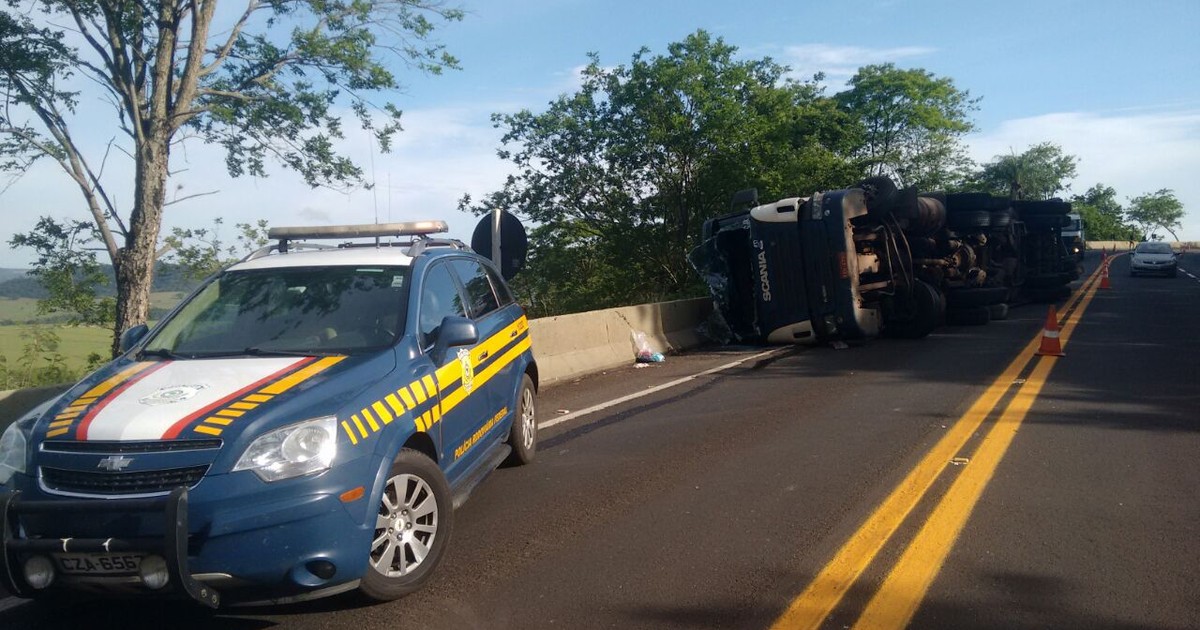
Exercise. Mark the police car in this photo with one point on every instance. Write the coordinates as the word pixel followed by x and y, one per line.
pixel 304 424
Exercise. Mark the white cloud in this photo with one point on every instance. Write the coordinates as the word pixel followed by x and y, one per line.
pixel 839 63
pixel 1131 151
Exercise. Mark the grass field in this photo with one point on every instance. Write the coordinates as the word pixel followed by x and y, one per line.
pixel 75 342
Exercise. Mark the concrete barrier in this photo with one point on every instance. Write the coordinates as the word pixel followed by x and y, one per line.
pixel 15 402
pixel 1179 246
pixel 565 346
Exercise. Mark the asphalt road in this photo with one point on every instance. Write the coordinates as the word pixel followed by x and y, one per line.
pixel 715 503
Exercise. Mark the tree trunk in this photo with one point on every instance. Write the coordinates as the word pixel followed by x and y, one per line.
pixel 135 266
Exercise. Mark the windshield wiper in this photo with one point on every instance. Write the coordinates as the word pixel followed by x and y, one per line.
pixel 157 352
pixel 261 352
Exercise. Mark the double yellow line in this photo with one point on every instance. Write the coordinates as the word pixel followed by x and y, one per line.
pixel 894 604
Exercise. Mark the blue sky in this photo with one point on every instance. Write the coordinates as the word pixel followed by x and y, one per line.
pixel 1116 83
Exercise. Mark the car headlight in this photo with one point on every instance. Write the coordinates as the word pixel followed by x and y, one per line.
pixel 297 449
pixel 12 453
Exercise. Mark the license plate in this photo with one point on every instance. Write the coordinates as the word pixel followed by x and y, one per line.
pixel 98 563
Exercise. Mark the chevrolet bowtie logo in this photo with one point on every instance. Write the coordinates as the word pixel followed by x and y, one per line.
pixel 115 463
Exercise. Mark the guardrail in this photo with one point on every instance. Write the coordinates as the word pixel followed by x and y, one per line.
pixel 565 346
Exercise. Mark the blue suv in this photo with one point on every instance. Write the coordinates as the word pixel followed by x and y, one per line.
pixel 303 424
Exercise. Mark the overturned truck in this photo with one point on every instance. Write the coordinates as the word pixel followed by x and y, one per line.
pixel 870 260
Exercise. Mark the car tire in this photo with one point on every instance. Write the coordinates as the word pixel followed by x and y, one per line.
pixel 998 312
pixel 974 316
pixel 415 517
pixel 523 434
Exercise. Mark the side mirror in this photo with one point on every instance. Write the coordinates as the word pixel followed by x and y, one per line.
pixel 131 336
pixel 454 331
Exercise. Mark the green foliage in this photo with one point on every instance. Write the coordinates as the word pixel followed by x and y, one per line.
pixel 200 252
pixel 912 124
pixel 622 173
pixel 1103 217
pixel 267 81
pixel 1040 172
pixel 1159 209
pixel 40 362
pixel 69 273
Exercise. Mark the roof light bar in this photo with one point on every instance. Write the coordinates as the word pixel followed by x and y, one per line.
pixel 409 228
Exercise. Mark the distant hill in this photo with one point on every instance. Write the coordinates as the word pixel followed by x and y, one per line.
pixel 9 274
pixel 167 277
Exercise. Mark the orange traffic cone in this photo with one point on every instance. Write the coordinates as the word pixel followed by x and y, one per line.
pixel 1050 346
pixel 1104 277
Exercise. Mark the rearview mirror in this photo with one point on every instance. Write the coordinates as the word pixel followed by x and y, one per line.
pixel 131 336
pixel 454 331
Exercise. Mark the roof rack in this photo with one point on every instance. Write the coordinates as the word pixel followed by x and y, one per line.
pixel 419 230
pixel 423 243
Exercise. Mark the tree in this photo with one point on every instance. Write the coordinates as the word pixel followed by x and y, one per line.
pixel 622 173
pixel 1158 209
pixel 264 82
pixel 202 252
pixel 912 124
pixel 1103 216
pixel 1040 172
pixel 68 270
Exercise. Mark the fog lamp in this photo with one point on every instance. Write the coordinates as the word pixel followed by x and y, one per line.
pixel 39 572
pixel 153 571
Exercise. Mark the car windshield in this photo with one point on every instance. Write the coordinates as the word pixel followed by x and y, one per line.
pixel 289 310
pixel 1153 248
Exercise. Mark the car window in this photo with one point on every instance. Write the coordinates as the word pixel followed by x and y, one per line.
pixel 440 298
pixel 1153 248
pixel 290 309
pixel 501 288
pixel 480 297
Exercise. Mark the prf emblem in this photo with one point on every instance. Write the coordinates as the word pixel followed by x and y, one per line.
pixel 468 373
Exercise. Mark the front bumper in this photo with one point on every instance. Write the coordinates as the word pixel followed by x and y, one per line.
pixel 172 545
pixel 1164 268
pixel 247 540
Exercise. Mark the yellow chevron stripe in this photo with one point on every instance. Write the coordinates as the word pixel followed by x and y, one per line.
pixel 394 403
pixel 406 397
pixel 217 420
pixel 116 379
pixel 207 430
pixel 258 398
pixel 67 416
pixel 60 423
pixel 349 432
pixel 242 405
pixel 294 379
pixel 56 432
pixel 382 412
pixel 358 423
pixel 230 413
pixel 418 391
pixel 366 414
pixel 430 387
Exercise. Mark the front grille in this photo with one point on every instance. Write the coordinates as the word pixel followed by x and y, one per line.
pixel 115 483
pixel 156 446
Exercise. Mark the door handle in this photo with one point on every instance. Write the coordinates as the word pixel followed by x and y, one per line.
pixel 483 355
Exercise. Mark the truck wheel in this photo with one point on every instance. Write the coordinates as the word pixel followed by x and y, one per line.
pixel 926 310
pixel 1002 218
pixel 412 528
pixel 522 437
pixel 969 219
pixel 975 316
pixel 879 194
pixel 998 312
pixel 982 296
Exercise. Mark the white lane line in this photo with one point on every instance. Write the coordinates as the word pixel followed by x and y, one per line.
pixel 1189 274
pixel 657 388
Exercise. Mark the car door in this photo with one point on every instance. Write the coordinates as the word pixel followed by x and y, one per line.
pixel 441 296
pixel 492 370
